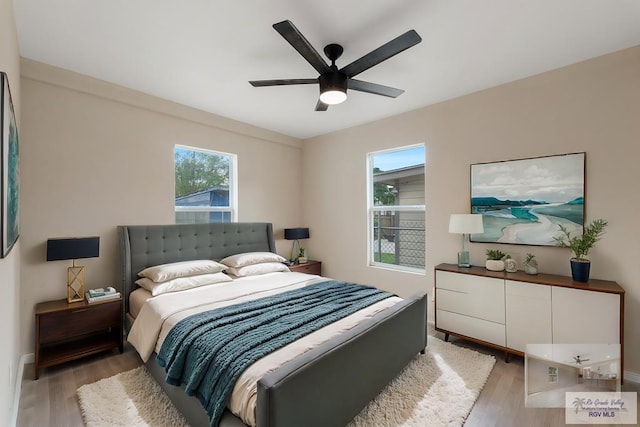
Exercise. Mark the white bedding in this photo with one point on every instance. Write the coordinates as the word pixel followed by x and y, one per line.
pixel 137 299
pixel 159 314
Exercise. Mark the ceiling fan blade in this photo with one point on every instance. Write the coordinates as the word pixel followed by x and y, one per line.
pixel 321 106
pixel 282 82
pixel 302 45
pixel 384 52
pixel 375 88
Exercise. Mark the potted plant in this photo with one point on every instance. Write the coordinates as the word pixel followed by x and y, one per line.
pixel 495 260
pixel 580 246
pixel 530 264
pixel 302 258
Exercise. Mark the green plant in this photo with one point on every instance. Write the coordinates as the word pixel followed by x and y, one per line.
pixel 496 254
pixel 385 258
pixel 581 245
pixel 531 260
pixel 301 254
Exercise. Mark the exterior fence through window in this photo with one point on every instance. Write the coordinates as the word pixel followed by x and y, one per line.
pixel 398 237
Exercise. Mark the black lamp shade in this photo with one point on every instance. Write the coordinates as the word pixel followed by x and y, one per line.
pixel 74 248
pixel 296 233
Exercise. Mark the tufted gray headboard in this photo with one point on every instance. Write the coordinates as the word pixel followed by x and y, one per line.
pixel 142 246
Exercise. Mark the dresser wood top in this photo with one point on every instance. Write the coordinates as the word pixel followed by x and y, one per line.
pixel 541 279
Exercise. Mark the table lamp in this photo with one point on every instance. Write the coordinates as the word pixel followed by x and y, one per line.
pixel 295 234
pixel 465 224
pixel 74 248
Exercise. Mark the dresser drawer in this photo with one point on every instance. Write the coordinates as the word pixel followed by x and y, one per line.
pixel 472 327
pixel 465 282
pixel 66 324
pixel 473 296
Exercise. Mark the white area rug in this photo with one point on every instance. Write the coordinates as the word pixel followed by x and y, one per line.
pixel 131 398
pixel 436 389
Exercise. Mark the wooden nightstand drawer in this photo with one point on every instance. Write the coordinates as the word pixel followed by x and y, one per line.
pixel 311 267
pixel 79 321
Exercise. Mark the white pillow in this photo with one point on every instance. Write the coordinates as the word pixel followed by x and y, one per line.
pixel 256 269
pixel 164 272
pixel 250 258
pixel 182 283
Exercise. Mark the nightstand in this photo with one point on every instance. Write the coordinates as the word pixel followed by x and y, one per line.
pixel 68 331
pixel 310 267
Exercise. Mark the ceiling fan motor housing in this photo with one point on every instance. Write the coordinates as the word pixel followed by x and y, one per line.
pixel 333 80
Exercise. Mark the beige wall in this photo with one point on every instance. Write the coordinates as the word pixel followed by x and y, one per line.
pixel 9 266
pixel 96 155
pixel 593 106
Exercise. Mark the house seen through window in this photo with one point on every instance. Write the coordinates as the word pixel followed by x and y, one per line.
pixel 396 208
pixel 205 183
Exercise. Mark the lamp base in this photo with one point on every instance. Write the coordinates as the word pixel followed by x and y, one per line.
pixel 75 284
pixel 294 252
pixel 463 259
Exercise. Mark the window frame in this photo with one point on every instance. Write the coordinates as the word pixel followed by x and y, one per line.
pixel 233 184
pixel 372 209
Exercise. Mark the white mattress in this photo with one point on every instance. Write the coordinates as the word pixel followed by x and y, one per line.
pixel 161 313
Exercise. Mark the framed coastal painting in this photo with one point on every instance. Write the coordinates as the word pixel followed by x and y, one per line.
pixel 9 176
pixel 524 201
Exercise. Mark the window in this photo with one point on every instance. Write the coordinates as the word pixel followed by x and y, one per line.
pixel 205 186
pixel 396 208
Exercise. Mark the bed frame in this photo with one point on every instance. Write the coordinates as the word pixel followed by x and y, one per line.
pixel 328 385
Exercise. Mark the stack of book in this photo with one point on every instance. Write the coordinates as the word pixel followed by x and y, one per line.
pixel 102 294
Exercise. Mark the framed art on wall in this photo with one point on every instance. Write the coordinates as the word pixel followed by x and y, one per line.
pixel 9 178
pixel 523 201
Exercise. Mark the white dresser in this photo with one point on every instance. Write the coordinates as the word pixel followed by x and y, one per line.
pixel 510 310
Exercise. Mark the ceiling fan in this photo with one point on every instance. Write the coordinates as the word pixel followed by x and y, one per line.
pixel 334 82
pixel 578 361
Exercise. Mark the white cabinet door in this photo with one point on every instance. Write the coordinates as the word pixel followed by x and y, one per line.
pixel 584 317
pixel 528 314
pixel 474 296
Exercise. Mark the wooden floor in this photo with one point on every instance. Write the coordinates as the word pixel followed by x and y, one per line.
pixel 501 402
pixel 52 400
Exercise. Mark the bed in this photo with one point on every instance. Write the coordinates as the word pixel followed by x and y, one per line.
pixel 327 385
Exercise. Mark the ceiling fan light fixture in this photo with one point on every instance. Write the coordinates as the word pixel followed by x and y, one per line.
pixel 333 97
pixel 333 88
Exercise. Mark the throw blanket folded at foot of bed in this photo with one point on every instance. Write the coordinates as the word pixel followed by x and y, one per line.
pixel 208 351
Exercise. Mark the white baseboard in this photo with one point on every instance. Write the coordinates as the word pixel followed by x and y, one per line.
pixel 632 376
pixel 24 359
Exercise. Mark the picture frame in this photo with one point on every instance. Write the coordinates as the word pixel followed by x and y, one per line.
pixel 9 170
pixel 524 201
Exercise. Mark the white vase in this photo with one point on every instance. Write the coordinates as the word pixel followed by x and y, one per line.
pixel 494 265
pixel 530 269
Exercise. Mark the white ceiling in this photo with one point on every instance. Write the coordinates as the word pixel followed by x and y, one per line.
pixel 202 53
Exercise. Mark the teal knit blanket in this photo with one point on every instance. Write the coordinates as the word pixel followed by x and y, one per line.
pixel 208 351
